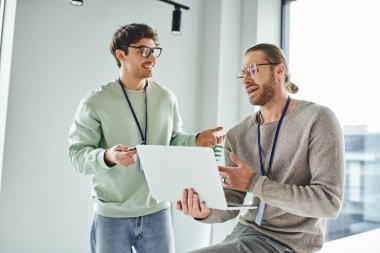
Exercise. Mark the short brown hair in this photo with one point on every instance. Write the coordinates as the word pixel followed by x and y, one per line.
pixel 275 54
pixel 129 34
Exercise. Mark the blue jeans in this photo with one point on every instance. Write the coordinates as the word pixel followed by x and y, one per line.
pixel 149 233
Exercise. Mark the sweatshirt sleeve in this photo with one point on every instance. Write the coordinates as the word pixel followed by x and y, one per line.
pixel 179 137
pixel 84 137
pixel 322 197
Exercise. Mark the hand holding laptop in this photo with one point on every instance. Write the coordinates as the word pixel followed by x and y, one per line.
pixel 191 205
pixel 237 178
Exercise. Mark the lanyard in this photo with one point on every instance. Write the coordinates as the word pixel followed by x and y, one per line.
pixel 274 141
pixel 143 136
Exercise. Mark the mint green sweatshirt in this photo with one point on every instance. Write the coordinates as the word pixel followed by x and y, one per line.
pixel 104 119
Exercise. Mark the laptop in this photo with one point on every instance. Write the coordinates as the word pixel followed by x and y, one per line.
pixel 171 169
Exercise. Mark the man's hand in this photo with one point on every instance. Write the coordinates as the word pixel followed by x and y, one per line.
pixel 120 155
pixel 208 138
pixel 237 178
pixel 190 205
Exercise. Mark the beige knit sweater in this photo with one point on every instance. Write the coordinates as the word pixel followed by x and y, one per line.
pixel 305 184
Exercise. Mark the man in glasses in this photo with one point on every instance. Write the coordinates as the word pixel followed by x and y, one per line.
pixel 289 155
pixel 108 124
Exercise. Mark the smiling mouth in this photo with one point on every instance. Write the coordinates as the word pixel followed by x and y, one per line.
pixel 252 89
pixel 148 66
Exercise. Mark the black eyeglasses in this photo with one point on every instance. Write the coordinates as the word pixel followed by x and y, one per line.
pixel 147 51
pixel 251 69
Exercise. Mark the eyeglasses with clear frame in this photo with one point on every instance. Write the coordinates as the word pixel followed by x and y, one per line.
pixel 147 51
pixel 252 69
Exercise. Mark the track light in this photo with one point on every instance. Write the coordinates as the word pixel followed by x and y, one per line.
pixel 76 2
pixel 176 22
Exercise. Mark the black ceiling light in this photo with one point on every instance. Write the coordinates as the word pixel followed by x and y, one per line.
pixel 176 22
pixel 76 2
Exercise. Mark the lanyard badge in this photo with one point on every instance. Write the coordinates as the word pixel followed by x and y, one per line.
pixel 143 136
pixel 261 207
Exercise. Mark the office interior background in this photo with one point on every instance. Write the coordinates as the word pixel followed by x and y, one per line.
pixel 53 53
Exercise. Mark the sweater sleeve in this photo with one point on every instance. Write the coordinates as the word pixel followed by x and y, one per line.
pixel 85 134
pixel 179 137
pixel 322 197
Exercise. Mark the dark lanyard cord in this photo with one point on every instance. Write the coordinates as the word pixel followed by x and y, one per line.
pixel 274 141
pixel 143 137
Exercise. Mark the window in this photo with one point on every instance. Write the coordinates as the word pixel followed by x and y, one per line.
pixel 333 58
pixel 2 5
pixel 7 20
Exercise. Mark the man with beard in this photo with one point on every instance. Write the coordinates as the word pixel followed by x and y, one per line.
pixel 289 155
pixel 109 122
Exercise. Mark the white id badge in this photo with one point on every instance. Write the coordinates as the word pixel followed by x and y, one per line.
pixel 260 213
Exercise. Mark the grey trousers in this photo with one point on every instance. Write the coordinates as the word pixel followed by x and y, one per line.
pixel 245 239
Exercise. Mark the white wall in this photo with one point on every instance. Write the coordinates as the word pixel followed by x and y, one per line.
pixel 60 52
pixel 261 22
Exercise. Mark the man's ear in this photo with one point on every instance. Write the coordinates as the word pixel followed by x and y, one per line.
pixel 120 55
pixel 280 69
